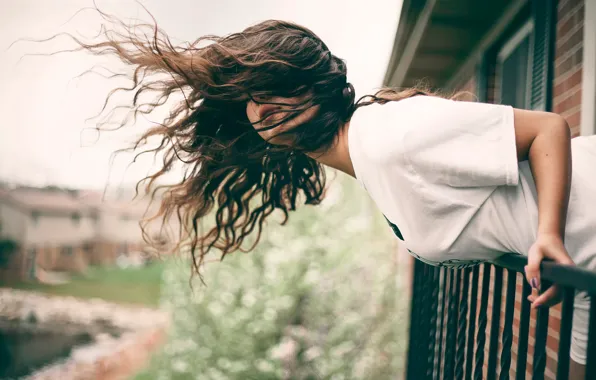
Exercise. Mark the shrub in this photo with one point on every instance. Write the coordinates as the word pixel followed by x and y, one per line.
pixel 320 298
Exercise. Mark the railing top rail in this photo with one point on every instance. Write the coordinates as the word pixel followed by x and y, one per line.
pixel 565 275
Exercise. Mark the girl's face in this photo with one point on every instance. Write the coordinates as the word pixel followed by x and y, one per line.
pixel 263 115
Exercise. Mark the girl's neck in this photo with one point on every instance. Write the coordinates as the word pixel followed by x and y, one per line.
pixel 338 157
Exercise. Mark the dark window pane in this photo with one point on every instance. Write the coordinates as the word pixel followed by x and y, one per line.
pixel 514 76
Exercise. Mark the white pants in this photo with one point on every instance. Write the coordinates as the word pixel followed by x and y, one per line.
pixel 579 332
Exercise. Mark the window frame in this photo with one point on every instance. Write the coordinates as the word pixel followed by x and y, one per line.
pixel 505 51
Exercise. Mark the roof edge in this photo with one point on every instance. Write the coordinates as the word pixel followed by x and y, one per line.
pixel 412 24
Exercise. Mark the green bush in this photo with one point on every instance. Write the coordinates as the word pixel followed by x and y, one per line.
pixel 320 298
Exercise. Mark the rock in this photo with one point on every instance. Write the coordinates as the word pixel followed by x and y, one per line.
pixel 119 331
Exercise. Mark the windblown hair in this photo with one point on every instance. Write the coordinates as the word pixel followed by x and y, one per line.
pixel 232 173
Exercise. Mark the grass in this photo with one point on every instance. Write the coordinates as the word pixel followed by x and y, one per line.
pixel 137 286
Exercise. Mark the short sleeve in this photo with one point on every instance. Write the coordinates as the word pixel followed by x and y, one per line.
pixel 461 144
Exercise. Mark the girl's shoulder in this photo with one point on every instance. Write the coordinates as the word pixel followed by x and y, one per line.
pixel 378 129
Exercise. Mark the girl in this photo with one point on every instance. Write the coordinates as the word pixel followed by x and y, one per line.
pixel 266 108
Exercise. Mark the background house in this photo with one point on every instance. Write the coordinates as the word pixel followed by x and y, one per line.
pixel 538 54
pixel 49 227
pixel 117 230
pixel 61 230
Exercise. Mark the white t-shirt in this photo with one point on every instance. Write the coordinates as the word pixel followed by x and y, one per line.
pixel 446 174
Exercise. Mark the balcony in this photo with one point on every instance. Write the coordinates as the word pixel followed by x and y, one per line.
pixel 476 323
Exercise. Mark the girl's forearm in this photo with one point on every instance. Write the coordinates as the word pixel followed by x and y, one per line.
pixel 550 161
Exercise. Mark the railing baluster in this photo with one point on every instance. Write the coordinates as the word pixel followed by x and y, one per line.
pixel 539 362
pixel 565 334
pixel 438 325
pixel 446 321
pixel 591 359
pixel 523 333
pixel 452 325
pixel 432 331
pixel 462 323
pixel 420 321
pixel 482 321
pixel 425 312
pixel 472 323
pixel 508 325
pixel 414 322
pixel 442 323
pixel 493 344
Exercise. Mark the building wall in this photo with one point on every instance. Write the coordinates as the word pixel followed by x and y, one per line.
pixel 71 260
pixel 13 222
pixel 15 269
pixel 114 227
pixel 567 102
pixel 568 62
pixel 12 227
pixel 53 241
pixel 467 89
pixel 103 253
pixel 59 230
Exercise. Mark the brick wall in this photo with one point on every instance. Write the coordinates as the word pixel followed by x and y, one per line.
pixel 14 269
pixel 47 256
pixel 103 253
pixel 468 89
pixel 568 62
pixel 552 339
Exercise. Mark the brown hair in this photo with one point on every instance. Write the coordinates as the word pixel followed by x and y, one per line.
pixel 230 172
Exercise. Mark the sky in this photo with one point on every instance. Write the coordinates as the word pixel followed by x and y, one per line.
pixel 46 135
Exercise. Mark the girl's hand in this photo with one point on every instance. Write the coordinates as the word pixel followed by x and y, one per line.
pixel 549 246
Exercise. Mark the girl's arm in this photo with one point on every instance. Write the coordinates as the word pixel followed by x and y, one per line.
pixel 544 139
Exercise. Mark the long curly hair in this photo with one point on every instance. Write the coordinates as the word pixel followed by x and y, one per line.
pixel 231 174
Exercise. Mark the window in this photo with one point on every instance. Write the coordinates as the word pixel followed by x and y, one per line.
pixel 95 217
pixel 35 217
pixel 514 68
pixel 67 251
pixel 76 218
pixel 524 62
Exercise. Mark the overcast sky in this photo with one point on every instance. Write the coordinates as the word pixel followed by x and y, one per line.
pixel 44 109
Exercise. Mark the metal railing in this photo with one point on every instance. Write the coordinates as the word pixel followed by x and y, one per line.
pixel 448 328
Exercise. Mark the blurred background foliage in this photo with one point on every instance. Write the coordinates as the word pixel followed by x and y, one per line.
pixel 320 298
